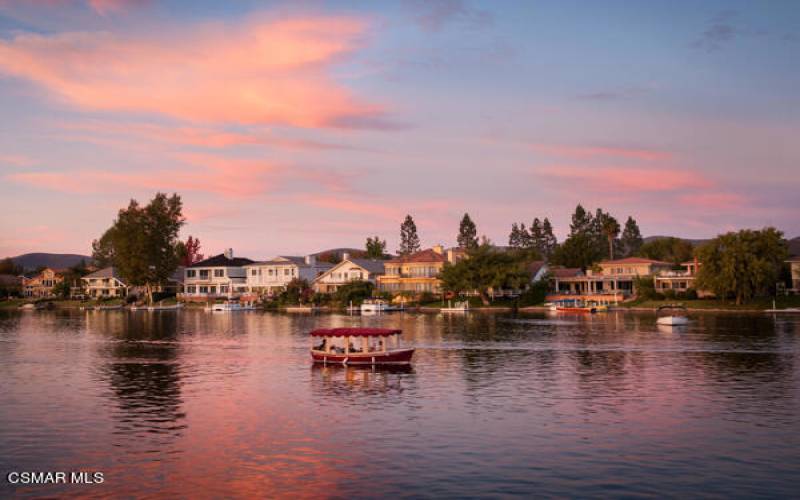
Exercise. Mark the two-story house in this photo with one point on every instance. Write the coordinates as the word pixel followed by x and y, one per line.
pixel 104 283
pixel 617 277
pixel 222 275
pixel 270 277
pixel 416 273
pixel 347 271
pixel 41 284
pixel 794 267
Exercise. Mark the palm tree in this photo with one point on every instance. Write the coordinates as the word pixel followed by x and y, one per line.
pixel 611 230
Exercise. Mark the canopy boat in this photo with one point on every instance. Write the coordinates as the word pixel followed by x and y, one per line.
pixel 458 307
pixel 672 315
pixel 359 346
pixel 574 306
pixel 229 306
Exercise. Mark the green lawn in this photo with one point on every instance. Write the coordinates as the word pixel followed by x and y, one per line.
pixel 760 303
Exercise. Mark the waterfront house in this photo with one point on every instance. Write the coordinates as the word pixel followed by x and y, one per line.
pixel 794 266
pixel 222 275
pixel 347 271
pixel 611 280
pixel 416 273
pixel 270 277
pixel 105 283
pixel 679 280
pixel 41 285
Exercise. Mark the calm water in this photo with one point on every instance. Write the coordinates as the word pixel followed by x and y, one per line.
pixel 198 405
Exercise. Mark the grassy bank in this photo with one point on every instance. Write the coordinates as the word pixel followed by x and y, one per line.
pixel 759 304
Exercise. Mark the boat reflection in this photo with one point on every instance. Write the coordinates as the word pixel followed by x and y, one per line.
pixel 379 379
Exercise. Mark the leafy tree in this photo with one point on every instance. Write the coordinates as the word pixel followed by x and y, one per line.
pixel 537 235
pixel 409 240
pixel 549 241
pixel 631 239
pixel 581 221
pixel 467 233
pixel 189 252
pixel 7 266
pixel 376 248
pixel 578 250
pixel 142 242
pixel 355 292
pixel 485 268
pixel 297 291
pixel 669 249
pixel 742 264
pixel 515 237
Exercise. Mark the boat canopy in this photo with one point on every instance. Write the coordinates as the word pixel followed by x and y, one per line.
pixel 667 307
pixel 355 332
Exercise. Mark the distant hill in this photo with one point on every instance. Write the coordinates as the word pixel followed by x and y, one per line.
pixel 31 261
pixel 794 243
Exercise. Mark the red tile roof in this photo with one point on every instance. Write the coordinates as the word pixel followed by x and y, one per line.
pixel 636 260
pixel 566 272
pixel 422 256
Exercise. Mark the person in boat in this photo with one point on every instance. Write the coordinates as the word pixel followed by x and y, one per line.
pixel 353 349
pixel 321 347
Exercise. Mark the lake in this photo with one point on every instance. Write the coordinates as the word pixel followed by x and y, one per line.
pixel 196 404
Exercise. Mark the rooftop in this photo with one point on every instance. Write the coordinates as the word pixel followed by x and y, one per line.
pixel 106 272
pixel 222 260
pixel 636 260
pixel 428 255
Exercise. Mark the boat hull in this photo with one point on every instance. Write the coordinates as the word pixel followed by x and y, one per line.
pixel 673 320
pixel 585 310
pixel 394 357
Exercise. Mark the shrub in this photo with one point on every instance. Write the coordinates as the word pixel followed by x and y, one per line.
pixel 670 294
pixel 427 298
pixel 533 296
pixel 691 294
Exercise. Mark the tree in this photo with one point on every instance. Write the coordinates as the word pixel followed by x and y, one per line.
pixel 355 292
pixel 610 228
pixel 7 266
pixel 515 237
pixel 142 242
pixel 537 235
pixel 742 264
pixel 631 239
pixel 189 252
pixel 581 221
pixel 297 291
pixel 485 267
pixel 409 240
pixel 579 250
pixel 549 241
pixel 674 250
pixel 376 248
pixel 467 233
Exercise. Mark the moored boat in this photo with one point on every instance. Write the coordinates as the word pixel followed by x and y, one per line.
pixel 458 307
pixel 574 306
pixel 672 315
pixel 229 306
pixel 378 306
pixel 359 346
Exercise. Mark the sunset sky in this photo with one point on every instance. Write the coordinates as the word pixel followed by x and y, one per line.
pixel 293 127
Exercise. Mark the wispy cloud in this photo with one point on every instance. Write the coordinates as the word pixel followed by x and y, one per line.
pixel 585 152
pixel 263 72
pixel 720 31
pixel 434 15
pixel 624 179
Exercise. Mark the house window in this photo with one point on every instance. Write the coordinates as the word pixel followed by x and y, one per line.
pixel 253 272
pixel 191 289
pixel 223 289
pixel 204 274
pixel 191 273
pixel 270 271
pixel 286 272
pixel 203 289
pixel 219 273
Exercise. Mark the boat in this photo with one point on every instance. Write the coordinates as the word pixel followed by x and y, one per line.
pixel 300 309
pixel 377 306
pixel 574 306
pixel 173 307
pixel 359 346
pixel 229 306
pixel 462 306
pixel 672 315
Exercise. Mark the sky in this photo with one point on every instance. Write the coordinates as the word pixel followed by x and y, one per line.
pixel 293 127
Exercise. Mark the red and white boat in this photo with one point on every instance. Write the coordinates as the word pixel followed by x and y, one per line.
pixel 359 346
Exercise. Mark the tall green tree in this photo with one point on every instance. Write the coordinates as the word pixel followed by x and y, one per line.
pixel 631 240
pixel 485 268
pixel 409 240
pixel 742 264
pixel 467 233
pixel 376 248
pixel 610 229
pixel 549 241
pixel 669 249
pixel 582 221
pixel 142 242
pixel 515 237
pixel 578 250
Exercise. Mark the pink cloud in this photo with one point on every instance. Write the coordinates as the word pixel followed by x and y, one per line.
pixel 624 179
pixel 715 200
pixel 104 7
pixel 265 72
pixel 16 160
pixel 585 152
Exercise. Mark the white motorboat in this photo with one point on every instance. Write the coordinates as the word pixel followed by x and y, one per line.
pixel 672 315
pixel 229 306
pixel 375 306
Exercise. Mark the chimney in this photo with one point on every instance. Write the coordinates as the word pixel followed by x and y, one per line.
pixel 311 260
pixel 345 255
pixel 438 249
pixel 228 253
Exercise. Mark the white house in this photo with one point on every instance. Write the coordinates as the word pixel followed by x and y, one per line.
pixel 271 277
pixel 346 271
pixel 104 283
pixel 222 275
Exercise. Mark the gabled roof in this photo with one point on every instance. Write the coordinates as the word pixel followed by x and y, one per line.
pixel 636 260
pixel 566 272
pixel 371 266
pixel 106 272
pixel 290 260
pixel 535 266
pixel 420 257
pixel 222 261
